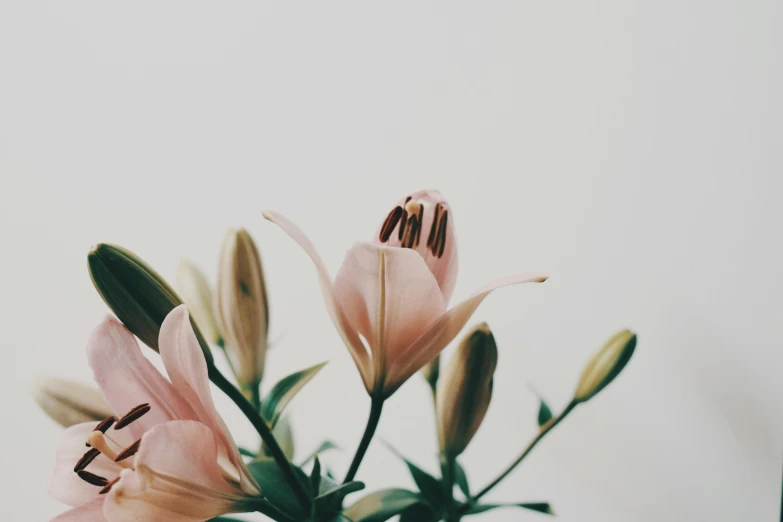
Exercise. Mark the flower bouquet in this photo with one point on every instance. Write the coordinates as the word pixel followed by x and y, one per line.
pixel 148 446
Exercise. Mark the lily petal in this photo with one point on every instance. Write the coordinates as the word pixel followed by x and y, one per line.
pixel 177 478
pixel 128 379
pixel 352 341
pixel 445 329
pixel 65 485
pixel 389 296
pixel 92 511
pixel 184 361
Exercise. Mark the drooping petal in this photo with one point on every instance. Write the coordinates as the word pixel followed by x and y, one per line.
pixel 64 484
pixel 423 221
pixel 187 369
pixel 127 379
pixel 389 297
pixel 92 511
pixel 177 478
pixel 442 331
pixel 337 314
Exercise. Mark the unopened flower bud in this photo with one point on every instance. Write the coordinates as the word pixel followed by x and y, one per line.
pixel 137 295
pixel 69 402
pixel 423 222
pixel 197 294
pixel 431 372
pixel 605 365
pixel 465 390
pixel 241 306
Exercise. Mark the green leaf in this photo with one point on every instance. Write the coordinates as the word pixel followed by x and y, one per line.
pixel 541 507
pixel 461 479
pixel 325 446
pixel 315 476
pixel 430 487
pixel 225 519
pixel 247 453
pixel 285 390
pixel 544 413
pixel 340 518
pixel 419 513
pixel 284 435
pixel 275 487
pixel 333 494
pixel 382 505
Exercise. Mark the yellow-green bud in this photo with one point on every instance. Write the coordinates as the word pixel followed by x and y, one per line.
pixel 137 295
pixel 197 294
pixel 465 390
pixel 69 402
pixel 605 365
pixel 241 306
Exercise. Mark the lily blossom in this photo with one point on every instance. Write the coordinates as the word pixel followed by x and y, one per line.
pixel 170 457
pixel 388 300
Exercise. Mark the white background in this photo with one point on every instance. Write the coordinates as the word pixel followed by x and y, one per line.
pixel 630 149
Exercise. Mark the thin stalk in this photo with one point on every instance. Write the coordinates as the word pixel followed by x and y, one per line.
pixel 263 430
pixel 372 423
pixel 546 428
pixel 447 468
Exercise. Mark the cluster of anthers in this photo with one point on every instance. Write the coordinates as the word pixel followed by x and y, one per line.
pixel 410 217
pixel 100 442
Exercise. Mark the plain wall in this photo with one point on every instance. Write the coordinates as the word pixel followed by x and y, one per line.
pixel 630 149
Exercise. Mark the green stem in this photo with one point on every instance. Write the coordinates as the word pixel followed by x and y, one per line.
pixel 263 430
pixel 447 468
pixel 546 428
pixel 255 395
pixel 369 431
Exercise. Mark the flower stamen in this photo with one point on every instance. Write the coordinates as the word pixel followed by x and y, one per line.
pixel 108 486
pixel 92 478
pixel 391 222
pixel 103 426
pixel 86 459
pixel 133 415
pixel 128 452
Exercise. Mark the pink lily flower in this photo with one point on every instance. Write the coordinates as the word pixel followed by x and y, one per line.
pixel 388 301
pixel 170 457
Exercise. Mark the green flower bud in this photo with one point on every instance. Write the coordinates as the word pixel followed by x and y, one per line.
pixel 137 295
pixel 465 390
pixel 241 306
pixel 606 364
pixel 69 402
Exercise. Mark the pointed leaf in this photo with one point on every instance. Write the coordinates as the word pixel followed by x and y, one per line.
pixel 419 513
pixel 285 390
pixel 275 487
pixel 325 446
pixel 541 507
pixel 430 487
pixel 461 479
pixel 315 476
pixel 333 494
pixel 382 505
pixel 284 435
pixel 544 413
pixel 247 453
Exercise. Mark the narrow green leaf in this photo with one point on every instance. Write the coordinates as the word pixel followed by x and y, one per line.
pixel 247 453
pixel 419 513
pixel 325 446
pixel 541 507
pixel 315 476
pixel 333 495
pixel 544 413
pixel 461 479
pixel 382 505
pixel 430 487
pixel 285 390
pixel 284 436
pixel 275 488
